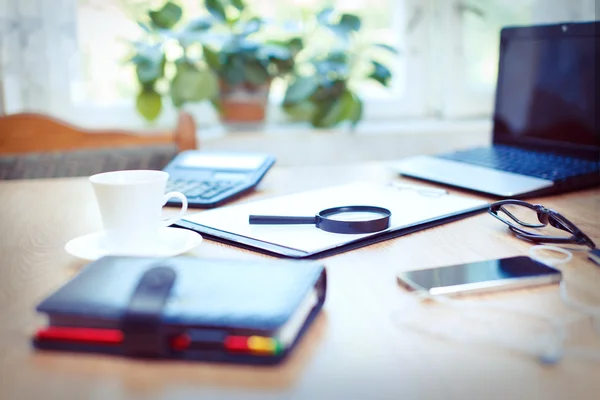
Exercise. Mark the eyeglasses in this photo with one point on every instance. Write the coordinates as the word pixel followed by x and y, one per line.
pixel 537 223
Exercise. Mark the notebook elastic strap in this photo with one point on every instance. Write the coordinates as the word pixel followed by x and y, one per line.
pixel 141 325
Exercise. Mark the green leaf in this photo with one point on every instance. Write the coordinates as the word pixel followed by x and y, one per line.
pixel 322 110
pixel 387 47
pixel 295 45
pixel 149 69
pixel 233 71
pixel 255 73
pixel 301 89
pixel 350 22
pixel 354 112
pixel 143 26
pixel 333 111
pixel 341 110
pixel 381 73
pixel 216 9
pixel 281 67
pixel 252 26
pixel 248 48
pixel 239 4
pixel 332 69
pixel 212 58
pixel 337 57
pixel 149 103
pixel 273 51
pixel 199 25
pixel 324 16
pixel 192 84
pixel 196 31
pixel 302 111
pixel 167 16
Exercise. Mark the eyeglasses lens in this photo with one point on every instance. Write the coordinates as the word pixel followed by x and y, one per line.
pixel 518 215
pixel 527 219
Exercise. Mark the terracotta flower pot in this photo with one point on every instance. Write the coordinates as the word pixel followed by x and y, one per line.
pixel 243 103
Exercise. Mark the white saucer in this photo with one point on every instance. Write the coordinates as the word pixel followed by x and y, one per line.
pixel 172 242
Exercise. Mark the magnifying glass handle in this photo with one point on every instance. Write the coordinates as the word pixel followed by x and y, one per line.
pixel 279 220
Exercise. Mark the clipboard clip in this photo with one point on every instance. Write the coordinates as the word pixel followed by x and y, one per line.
pixel 423 190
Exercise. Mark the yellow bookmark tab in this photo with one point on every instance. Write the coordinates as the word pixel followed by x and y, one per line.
pixel 260 344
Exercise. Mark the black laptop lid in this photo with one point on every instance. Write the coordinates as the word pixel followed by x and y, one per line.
pixel 547 87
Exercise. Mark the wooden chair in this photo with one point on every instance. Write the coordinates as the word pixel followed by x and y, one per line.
pixel 26 133
pixel 38 146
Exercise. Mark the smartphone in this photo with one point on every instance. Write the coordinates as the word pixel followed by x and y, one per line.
pixel 505 273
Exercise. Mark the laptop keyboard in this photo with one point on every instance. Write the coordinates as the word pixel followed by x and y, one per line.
pixel 512 159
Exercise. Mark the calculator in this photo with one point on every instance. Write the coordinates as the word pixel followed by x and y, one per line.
pixel 211 178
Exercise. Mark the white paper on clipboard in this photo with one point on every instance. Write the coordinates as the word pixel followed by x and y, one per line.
pixel 408 207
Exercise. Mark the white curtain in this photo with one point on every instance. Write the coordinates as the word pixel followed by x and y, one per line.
pixel 551 11
pixel 38 45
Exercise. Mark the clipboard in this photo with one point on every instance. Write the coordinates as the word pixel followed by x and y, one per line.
pixel 412 210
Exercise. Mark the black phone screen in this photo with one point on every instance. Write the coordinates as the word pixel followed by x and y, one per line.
pixel 478 272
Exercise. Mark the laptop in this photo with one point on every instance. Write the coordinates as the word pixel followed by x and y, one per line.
pixel 546 125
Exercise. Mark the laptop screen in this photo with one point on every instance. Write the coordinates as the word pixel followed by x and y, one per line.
pixel 547 87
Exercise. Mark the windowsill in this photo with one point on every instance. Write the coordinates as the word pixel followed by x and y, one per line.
pixel 399 127
pixel 124 117
pixel 301 145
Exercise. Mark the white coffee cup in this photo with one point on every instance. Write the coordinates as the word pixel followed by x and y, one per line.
pixel 131 205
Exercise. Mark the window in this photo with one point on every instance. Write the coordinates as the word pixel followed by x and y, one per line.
pixel 68 56
pixel 471 32
pixel 107 82
pixel 472 52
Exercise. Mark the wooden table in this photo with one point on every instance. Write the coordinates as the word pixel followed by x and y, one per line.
pixel 358 347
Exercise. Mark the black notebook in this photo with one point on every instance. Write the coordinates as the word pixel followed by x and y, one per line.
pixel 185 308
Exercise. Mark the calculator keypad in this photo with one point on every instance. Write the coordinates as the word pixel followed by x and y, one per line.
pixel 201 190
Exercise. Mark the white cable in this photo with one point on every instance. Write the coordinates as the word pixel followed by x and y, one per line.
pixel 584 352
pixel 552 261
pixel 548 354
pixel 554 348
pixel 593 312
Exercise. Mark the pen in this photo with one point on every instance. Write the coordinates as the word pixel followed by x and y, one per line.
pixel 419 188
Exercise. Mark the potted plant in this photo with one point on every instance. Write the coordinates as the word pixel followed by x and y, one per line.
pixel 220 57
pixel 322 87
pixel 244 63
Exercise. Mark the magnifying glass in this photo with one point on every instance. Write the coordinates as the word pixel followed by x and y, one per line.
pixel 347 219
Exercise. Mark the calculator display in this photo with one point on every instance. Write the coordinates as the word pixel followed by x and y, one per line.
pixel 222 162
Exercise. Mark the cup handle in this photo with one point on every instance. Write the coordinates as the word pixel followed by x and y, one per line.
pixel 184 206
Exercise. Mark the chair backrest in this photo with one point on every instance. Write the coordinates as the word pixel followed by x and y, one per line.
pixel 28 132
pixel 34 146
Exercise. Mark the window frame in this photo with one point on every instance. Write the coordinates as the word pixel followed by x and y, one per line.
pixel 457 99
pixel 376 108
